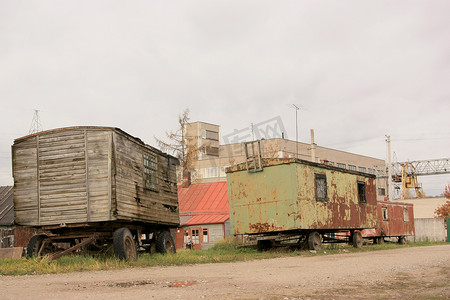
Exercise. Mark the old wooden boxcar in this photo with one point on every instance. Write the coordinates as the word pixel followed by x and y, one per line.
pixel 302 200
pixel 395 220
pixel 95 185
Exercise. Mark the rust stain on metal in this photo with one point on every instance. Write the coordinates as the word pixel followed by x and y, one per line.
pixel 263 227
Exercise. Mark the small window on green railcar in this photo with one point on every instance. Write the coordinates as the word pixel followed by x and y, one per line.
pixel 321 187
pixel 362 192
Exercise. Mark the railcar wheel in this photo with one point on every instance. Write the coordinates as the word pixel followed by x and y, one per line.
pixel 34 245
pixel 124 245
pixel 402 240
pixel 165 243
pixel 357 239
pixel 314 241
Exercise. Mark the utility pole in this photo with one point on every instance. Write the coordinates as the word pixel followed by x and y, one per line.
pixel 253 131
pixel 296 130
pixel 389 180
pixel 313 147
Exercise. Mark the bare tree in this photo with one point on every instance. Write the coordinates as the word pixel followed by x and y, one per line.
pixel 181 145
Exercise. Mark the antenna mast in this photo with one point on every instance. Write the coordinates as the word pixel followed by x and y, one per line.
pixel 36 125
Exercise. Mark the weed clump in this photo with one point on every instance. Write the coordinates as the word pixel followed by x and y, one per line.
pixel 229 243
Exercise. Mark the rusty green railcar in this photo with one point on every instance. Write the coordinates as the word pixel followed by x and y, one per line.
pixel 300 199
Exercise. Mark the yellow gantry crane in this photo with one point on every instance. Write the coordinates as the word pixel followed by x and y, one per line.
pixel 409 181
pixel 406 173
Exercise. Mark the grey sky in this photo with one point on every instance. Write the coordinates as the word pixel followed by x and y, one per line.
pixel 360 70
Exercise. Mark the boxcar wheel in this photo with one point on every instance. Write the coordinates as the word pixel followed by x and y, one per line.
pixel 124 245
pixel 402 240
pixel 314 241
pixel 165 243
pixel 34 245
pixel 357 239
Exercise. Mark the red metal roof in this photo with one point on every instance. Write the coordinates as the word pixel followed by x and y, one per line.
pixel 207 219
pixel 206 202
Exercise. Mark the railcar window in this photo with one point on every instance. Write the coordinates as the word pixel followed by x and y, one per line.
pixel 150 171
pixel 405 215
pixel 321 187
pixel 385 213
pixel 362 192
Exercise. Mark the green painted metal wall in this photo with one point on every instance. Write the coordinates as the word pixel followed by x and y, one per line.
pixel 282 197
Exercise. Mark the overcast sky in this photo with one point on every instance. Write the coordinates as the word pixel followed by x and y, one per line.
pixel 359 70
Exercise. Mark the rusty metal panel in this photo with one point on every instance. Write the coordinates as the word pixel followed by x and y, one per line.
pixel 283 197
pixel 263 201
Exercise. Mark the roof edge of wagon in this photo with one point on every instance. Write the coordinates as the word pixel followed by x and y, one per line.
pixel 138 140
pixel 269 162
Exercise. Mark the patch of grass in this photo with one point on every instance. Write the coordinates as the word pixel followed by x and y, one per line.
pixel 31 266
pixel 225 251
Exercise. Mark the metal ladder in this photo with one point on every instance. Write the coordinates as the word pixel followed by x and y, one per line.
pixel 253 158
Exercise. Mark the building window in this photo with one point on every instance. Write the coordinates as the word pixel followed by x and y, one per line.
pixel 384 211
pixel 210 135
pixel 362 192
pixel 321 187
pixel 327 162
pixel 371 171
pixel 362 169
pixel 405 215
pixel 342 166
pixel 213 151
pixel 205 235
pixel 195 236
pixel 381 191
pixel 210 172
pixel 150 171
pixel 352 167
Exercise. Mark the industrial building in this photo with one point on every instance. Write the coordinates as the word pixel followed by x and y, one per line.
pixel 213 157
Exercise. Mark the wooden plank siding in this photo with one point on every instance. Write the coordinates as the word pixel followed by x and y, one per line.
pixel 89 174
pixel 134 200
pixel 25 182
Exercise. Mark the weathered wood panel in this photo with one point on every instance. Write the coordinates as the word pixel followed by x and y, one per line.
pixel 98 153
pixel 24 157
pixel 62 172
pixel 135 201
pixel 78 175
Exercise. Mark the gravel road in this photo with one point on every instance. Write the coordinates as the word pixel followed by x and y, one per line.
pixel 416 272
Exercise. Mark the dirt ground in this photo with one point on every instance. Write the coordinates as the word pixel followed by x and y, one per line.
pixel 406 273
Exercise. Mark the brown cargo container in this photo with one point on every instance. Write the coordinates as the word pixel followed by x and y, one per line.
pixel 89 182
pixel 395 220
pixel 296 199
